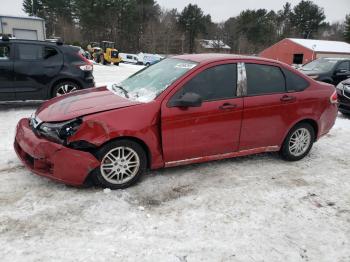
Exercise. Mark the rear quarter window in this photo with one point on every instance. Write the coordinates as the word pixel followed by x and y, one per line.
pixel 72 55
pixel 295 82
pixel 50 53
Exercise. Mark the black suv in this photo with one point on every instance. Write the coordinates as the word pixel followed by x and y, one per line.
pixel 39 70
pixel 329 70
pixel 343 90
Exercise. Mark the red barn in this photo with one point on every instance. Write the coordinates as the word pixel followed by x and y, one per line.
pixel 302 51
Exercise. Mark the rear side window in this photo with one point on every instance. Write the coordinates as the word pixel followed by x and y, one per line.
pixel 50 52
pixel 219 82
pixel 30 52
pixel 294 82
pixel 264 79
pixel 4 52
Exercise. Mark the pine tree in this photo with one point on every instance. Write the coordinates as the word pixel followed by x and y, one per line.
pixel 33 8
pixel 307 18
pixel 193 21
pixel 347 29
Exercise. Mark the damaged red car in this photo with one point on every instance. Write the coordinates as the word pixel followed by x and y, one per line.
pixel 186 109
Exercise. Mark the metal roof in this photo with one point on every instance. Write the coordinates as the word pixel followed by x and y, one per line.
pixel 323 46
pixel 22 17
pixel 212 57
pixel 212 44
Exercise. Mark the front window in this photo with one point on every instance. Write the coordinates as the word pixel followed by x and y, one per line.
pixel 147 84
pixel 322 65
pixel 215 83
pixel 344 66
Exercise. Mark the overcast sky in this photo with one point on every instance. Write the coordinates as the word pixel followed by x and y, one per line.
pixel 220 10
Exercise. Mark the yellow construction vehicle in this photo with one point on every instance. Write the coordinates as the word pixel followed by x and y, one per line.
pixel 110 53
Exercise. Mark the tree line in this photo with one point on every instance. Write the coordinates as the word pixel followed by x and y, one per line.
pixel 142 25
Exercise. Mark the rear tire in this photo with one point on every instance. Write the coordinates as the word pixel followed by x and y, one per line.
pixel 122 164
pixel 298 142
pixel 63 88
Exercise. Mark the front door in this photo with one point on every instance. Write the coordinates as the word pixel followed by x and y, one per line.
pixel 7 91
pixel 211 129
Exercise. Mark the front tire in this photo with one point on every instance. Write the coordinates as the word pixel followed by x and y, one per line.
pixel 64 88
pixel 298 142
pixel 122 164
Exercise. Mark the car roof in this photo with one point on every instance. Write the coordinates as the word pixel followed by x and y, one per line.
pixel 29 41
pixel 212 57
pixel 334 58
pixel 47 43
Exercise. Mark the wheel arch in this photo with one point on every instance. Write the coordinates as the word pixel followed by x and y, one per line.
pixel 57 81
pixel 309 121
pixel 136 140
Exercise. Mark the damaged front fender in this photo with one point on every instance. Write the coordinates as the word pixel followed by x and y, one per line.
pixel 92 131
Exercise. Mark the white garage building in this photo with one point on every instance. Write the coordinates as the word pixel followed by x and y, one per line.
pixel 32 28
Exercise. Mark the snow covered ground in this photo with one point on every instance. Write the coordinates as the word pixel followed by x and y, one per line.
pixel 256 208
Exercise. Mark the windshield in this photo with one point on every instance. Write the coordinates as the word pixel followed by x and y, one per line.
pixel 147 84
pixel 323 65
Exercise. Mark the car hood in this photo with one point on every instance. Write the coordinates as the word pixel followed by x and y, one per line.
pixel 346 82
pixel 80 103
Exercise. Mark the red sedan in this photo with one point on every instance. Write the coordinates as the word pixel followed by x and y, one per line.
pixel 183 110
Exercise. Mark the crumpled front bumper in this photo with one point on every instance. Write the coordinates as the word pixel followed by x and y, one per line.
pixel 48 159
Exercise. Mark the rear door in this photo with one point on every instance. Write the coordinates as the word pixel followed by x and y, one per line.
pixel 7 91
pixel 35 67
pixel 265 105
pixel 211 129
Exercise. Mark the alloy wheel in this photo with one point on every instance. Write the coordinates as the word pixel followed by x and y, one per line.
pixel 299 142
pixel 65 89
pixel 120 165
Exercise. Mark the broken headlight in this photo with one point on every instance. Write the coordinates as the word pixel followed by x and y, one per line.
pixel 60 131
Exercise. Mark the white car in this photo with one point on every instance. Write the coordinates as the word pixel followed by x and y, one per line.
pixel 130 58
pixel 149 59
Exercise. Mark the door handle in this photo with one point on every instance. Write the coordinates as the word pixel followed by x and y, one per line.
pixel 227 106
pixel 287 98
pixel 49 66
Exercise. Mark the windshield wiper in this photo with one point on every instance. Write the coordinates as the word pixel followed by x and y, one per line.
pixel 114 87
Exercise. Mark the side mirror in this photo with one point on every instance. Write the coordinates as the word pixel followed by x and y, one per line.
pixel 187 100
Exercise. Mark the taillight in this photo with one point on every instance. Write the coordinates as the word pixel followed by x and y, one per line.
pixel 334 98
pixel 87 66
